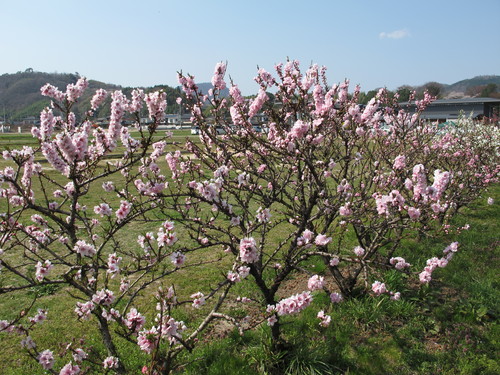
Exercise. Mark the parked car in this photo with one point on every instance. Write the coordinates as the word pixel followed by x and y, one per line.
pixel 195 130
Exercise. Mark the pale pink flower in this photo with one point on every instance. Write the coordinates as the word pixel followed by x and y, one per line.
pixel 199 300
pixel 42 270
pixel 315 282
pixel 325 319
pixel 103 297
pixel 336 297
pixel 322 240
pixel 110 362
pixel 178 259
pixel 70 369
pixel 83 310
pixel 85 249
pixel 359 251
pixel 379 288
pixel 79 355
pixel 334 261
pixel 248 250
pixel 123 211
pixel 233 277
pixel 46 359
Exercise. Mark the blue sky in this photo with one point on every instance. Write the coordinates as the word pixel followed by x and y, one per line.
pixel 143 43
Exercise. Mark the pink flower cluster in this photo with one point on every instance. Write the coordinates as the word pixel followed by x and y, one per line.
pixel 325 319
pixel 42 269
pixel 52 92
pixel 134 320
pixel 293 304
pixel 110 362
pixel 198 299
pixel 379 288
pixel 399 263
pixel 83 310
pixel 426 275
pixel 85 249
pixel 103 297
pixel 218 77
pixel 315 283
pixel 248 250
pixel 114 264
pixel 75 90
pixel 156 103
pixel 46 359
pixel 98 98
pixel 123 211
pixel 103 209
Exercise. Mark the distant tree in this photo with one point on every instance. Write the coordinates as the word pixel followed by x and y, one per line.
pixel 474 90
pixel 404 93
pixel 434 89
pixel 488 90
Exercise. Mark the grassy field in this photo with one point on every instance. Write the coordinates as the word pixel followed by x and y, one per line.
pixel 450 327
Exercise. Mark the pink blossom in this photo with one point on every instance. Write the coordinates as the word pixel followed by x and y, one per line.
pixel 294 304
pixel 85 249
pixel 39 317
pixel 243 271
pixel 334 261
pixel 263 215
pixel 399 263
pixel 46 359
pixel 99 97
pixel 27 342
pixel 103 209
pixel 70 369
pixel 108 186
pixel 378 288
pixel 148 339
pixel 399 162
pixel 74 91
pixel 325 319
pixel 322 240
pixel 110 362
pixel 123 211
pixel 248 250
pixel 490 201
pixel 42 270
pixel 413 213
pixel 114 264
pixel 315 282
pixel 199 300
pixel 345 210
pixel 218 77
pixel 299 130
pixel 233 277
pixel 336 297
pixel 79 355
pixel 178 259
pixel 359 251
pixel 103 297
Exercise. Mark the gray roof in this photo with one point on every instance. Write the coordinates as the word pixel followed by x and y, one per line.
pixel 458 101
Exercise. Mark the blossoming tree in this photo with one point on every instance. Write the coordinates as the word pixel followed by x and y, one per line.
pixel 327 179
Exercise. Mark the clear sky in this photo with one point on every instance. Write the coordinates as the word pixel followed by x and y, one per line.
pixel 142 43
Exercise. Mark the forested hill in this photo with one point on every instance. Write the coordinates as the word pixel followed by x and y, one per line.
pixel 20 93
